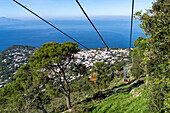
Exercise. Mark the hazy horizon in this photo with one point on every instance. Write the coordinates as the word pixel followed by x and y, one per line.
pixel 68 8
pixel 113 17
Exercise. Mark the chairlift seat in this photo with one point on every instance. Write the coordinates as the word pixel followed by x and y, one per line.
pixel 93 79
pixel 126 80
pixel 94 76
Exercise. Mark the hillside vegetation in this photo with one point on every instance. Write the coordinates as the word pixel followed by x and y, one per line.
pixel 11 59
pixel 53 82
pixel 122 102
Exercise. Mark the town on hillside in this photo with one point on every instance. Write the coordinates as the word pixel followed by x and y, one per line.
pixel 13 58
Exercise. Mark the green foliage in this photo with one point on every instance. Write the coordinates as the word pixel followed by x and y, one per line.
pixel 103 79
pixel 82 84
pixel 154 51
pixel 137 68
pixel 121 102
pixel 25 94
pixel 100 68
pixel 53 59
pixel 156 96
pixel 117 67
pixel 53 52
pixel 78 69
pixel 33 88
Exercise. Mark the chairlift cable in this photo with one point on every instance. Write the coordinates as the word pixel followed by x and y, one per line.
pixel 131 28
pixel 49 23
pixel 91 23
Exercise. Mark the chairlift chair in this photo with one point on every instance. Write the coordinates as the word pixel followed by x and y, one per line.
pixel 94 78
pixel 126 70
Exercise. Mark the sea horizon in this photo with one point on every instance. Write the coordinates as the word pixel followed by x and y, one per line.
pixel 36 32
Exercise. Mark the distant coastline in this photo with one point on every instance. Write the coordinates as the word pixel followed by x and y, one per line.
pixel 105 18
pixel 36 32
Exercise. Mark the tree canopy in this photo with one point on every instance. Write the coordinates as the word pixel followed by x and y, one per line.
pixel 154 52
pixel 38 81
pixel 54 58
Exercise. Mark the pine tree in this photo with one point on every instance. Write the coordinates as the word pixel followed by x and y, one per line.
pixel 53 58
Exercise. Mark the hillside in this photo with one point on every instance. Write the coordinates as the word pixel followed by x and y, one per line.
pixel 61 78
pixel 119 97
pixel 8 21
pixel 11 59
pixel 15 56
pixel 4 19
pixel 125 101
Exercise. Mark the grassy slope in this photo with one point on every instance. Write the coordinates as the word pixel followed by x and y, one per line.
pixel 121 102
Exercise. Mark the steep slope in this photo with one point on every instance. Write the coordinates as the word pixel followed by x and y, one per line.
pixel 122 102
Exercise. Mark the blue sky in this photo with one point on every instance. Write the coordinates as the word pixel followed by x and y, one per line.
pixel 54 9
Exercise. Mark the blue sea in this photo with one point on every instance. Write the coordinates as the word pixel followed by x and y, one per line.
pixel 35 33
